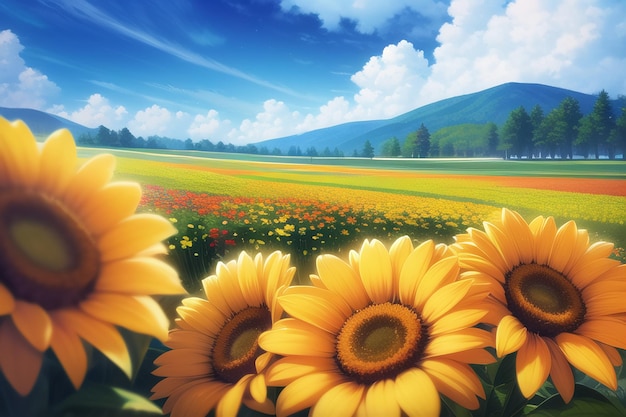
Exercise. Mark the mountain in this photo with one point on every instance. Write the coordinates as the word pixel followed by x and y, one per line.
pixel 490 105
pixel 42 123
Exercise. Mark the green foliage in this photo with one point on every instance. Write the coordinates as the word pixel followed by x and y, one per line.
pixel 467 140
pixel 517 132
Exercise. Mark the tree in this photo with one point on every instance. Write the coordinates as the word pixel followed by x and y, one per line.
pixel 517 132
pixel 492 139
pixel 127 139
pixel 103 137
pixel 602 123
pixel 620 131
pixel 569 112
pixel 368 149
pixel 409 145
pixel 391 147
pixel 536 118
pixel 423 141
pixel 189 144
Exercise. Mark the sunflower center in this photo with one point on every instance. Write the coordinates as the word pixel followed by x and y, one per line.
pixel 544 300
pixel 380 341
pixel 236 346
pixel 46 256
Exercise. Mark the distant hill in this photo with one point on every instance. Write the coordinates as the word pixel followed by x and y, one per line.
pixel 42 123
pixel 490 105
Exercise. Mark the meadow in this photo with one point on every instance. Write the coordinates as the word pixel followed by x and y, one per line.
pixel 224 203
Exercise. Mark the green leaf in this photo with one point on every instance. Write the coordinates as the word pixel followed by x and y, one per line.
pixel 103 400
pixel 586 402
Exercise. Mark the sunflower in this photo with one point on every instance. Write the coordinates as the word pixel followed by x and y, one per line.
pixel 369 331
pixel 562 299
pixel 76 260
pixel 214 359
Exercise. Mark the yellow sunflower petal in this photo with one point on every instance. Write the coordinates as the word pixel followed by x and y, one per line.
pixel 505 245
pixel 455 380
pixel 258 388
pixel 544 240
pixel 612 353
pixel 34 324
pixel 340 278
pixel 375 270
pixel 443 272
pixel 139 276
pixel 532 365
pixel 608 330
pixel 139 314
pixel 109 205
pixel 20 362
pixel 482 245
pixel 229 404
pixel 456 320
pixel 202 316
pixel 586 355
pixel 340 400
pixel 560 372
pixel 316 306
pixel 278 273
pixel 7 302
pixel 423 402
pixel 510 336
pixel 454 342
pixel 183 356
pixel 212 289
pixel 183 370
pixel 445 299
pixel 229 286
pixel 580 247
pixel 293 337
pixel 380 399
pixel 605 304
pixel 181 339
pixel 304 392
pixel 134 234
pixel 70 351
pixel 19 159
pixel 90 177
pixel 103 336
pixel 585 276
pixel 289 368
pixel 563 247
pixel 58 162
pixel 415 266
pixel 197 400
pixel 524 241
pixel 473 356
pixel 248 280
pixel 266 407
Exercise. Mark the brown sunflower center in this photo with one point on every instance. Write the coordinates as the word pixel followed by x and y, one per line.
pixel 236 346
pixel 544 300
pixel 46 256
pixel 380 341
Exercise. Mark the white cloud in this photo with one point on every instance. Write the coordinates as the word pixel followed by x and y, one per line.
pixel 20 85
pixel 569 44
pixel 98 111
pixel 368 14
pixel 274 121
pixel 208 126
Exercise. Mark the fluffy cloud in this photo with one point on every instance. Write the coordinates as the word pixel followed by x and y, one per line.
pixel 208 126
pixel 368 15
pixel 98 111
pixel 20 85
pixel 569 44
pixel 274 121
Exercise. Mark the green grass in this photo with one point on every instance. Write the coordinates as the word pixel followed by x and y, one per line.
pixel 550 168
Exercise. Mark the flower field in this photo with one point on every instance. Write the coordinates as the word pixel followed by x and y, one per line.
pixel 219 206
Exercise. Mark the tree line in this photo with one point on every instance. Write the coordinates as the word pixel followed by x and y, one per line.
pixel 564 132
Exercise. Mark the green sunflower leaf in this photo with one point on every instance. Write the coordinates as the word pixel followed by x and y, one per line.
pixel 586 402
pixel 102 400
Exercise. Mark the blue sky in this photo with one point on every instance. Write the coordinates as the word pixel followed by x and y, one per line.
pixel 244 71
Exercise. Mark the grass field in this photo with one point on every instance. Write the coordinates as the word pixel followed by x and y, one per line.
pixel 305 206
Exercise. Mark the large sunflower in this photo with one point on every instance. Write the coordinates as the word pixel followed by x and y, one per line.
pixel 382 335
pixel 75 261
pixel 562 299
pixel 215 360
